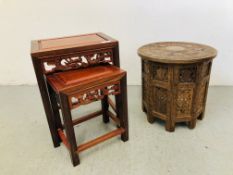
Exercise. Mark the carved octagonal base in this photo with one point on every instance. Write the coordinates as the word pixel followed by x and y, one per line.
pixel 175 78
pixel 175 92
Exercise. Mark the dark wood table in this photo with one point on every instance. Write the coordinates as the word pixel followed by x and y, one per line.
pixel 175 79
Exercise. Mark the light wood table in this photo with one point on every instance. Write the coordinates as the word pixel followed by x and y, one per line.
pixel 175 78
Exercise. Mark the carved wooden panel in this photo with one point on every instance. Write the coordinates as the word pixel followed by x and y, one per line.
pixel 206 69
pixel 145 87
pixel 145 83
pixel 75 61
pixel 145 67
pixel 159 72
pixel 93 95
pixel 188 73
pixel 201 93
pixel 160 100
pixel 184 101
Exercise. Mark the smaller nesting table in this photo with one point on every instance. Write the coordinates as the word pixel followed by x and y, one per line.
pixel 175 79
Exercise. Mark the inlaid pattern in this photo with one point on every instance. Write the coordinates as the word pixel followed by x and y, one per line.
pixel 176 52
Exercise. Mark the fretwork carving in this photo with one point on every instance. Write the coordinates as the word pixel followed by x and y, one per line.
pixel 76 61
pixel 93 95
pixel 187 74
pixel 160 72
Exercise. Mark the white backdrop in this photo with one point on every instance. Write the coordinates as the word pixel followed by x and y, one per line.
pixel 132 22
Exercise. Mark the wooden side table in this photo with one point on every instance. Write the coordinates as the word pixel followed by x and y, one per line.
pixel 77 70
pixel 175 78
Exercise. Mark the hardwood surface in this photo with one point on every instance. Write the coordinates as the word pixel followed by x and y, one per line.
pixel 176 52
pixel 74 41
pixel 78 70
pixel 173 89
pixel 76 78
pixel 70 44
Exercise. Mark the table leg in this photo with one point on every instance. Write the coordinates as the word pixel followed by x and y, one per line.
pixel 151 119
pixel 192 123
pixel 68 124
pixel 105 105
pixel 122 108
pixel 46 102
pixel 170 126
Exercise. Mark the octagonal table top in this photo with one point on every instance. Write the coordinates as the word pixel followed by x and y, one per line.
pixel 176 52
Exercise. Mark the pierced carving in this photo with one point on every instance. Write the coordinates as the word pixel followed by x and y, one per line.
pixel 160 72
pixel 188 74
pixel 160 99
pixel 76 61
pixel 184 100
pixel 93 95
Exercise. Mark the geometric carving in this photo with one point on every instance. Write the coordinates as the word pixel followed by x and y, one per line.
pixel 160 72
pixel 187 73
pixel 160 99
pixel 76 61
pixel 201 93
pixel 94 95
pixel 184 100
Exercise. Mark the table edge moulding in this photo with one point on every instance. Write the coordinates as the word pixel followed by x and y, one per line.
pixel 176 52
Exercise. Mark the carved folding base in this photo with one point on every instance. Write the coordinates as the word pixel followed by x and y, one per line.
pixel 170 126
pixel 175 92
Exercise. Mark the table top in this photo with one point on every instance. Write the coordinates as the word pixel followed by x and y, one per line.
pixel 176 52
pixel 39 47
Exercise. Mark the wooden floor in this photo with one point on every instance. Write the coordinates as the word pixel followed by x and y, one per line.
pixel 26 147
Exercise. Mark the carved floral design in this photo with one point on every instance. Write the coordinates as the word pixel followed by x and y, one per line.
pixel 184 101
pixel 76 61
pixel 94 95
pixel 160 99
